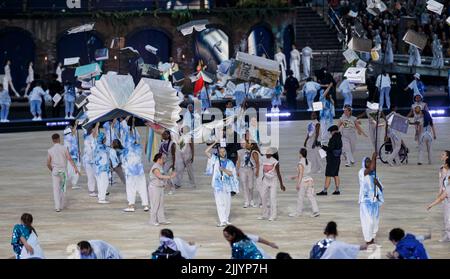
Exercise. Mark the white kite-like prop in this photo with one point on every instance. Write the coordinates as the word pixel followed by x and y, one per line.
pixel 188 28
pixel 82 28
pixel 115 96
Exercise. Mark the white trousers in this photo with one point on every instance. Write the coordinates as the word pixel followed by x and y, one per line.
pixel 396 145
pixel 447 220
pixel 309 192
pixel 369 214
pixel 349 145
pixel 269 198
pixel 156 195
pixel 295 68
pixel 58 193
pixel 90 174
pixel 134 185
pixel 223 204
pixel 102 185
pixel 425 145
pixel 72 176
pixel 181 165
pixel 247 181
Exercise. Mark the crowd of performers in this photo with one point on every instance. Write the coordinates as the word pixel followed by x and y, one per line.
pixel 240 166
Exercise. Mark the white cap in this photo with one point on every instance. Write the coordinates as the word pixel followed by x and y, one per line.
pixel 417 75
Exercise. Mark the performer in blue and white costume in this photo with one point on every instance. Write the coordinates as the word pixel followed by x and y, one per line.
pixel 327 113
pixel 88 160
pixel 71 143
pixel 370 198
pixel 102 166
pixel 133 167
pixel 112 134
pixel 224 181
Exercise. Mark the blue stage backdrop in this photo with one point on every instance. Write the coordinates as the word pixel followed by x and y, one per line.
pixel 212 46
pixel 288 41
pixel 81 45
pixel 16 45
pixel 261 41
pixel 153 37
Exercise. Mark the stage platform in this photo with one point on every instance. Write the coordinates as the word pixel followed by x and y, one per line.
pixel 25 186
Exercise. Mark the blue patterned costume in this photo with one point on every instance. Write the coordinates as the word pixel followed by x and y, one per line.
pixel 131 155
pixel 101 156
pixel 221 181
pixel 70 142
pixel 19 230
pixel 245 249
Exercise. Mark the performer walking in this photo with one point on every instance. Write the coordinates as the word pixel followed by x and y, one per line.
pixel 247 168
pixel 134 169
pixel 7 79
pixel 30 78
pixel 185 157
pixel 5 103
pixel 71 143
pixel 281 59
pixel 327 113
pixel 168 150
pixel 370 198
pixel 271 172
pixel 158 179
pixel 102 165
pixel 304 185
pixel 295 62
pixel 88 159
pixel 224 181
pixel 349 127
pixel 334 152
pixel 57 163
pixel 312 144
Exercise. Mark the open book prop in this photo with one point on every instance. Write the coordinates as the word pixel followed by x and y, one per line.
pixel 88 71
pixel 255 69
pixel 356 75
pixel 115 96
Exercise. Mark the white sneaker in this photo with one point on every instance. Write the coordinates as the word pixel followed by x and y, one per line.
pixel 245 205
pixel 228 223
pixel 271 219
pixel 252 204
pixel 146 208
pixel 261 218
pixel 93 194
pixel 170 192
pixel 315 214
pixel 39 118
pixel 103 202
pixel 34 118
pixel 155 224
pixel 166 223
pixel 76 187
pixel 6 120
pixel 221 225
pixel 129 209
pixel 66 117
pixel 293 215
pixel 309 109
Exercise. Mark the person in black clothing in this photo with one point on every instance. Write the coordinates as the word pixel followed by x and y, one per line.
pixel 291 86
pixel 334 151
pixel 54 86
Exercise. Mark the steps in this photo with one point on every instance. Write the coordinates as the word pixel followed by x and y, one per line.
pixel 312 30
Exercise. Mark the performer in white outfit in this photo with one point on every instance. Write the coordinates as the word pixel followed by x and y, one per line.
pixel 304 186
pixel 133 167
pixel 396 140
pixel 306 61
pixel 188 250
pixel 281 59
pixel 247 167
pixel 270 174
pixel 349 126
pixel 98 250
pixel 30 78
pixel 184 157
pixel 57 159
pixel 414 56
pixel 426 136
pixel 157 181
pixel 59 71
pixel 7 79
pixel 88 160
pixel 370 198
pixel 295 62
pixel 312 144
pixel 444 194
pixel 224 181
